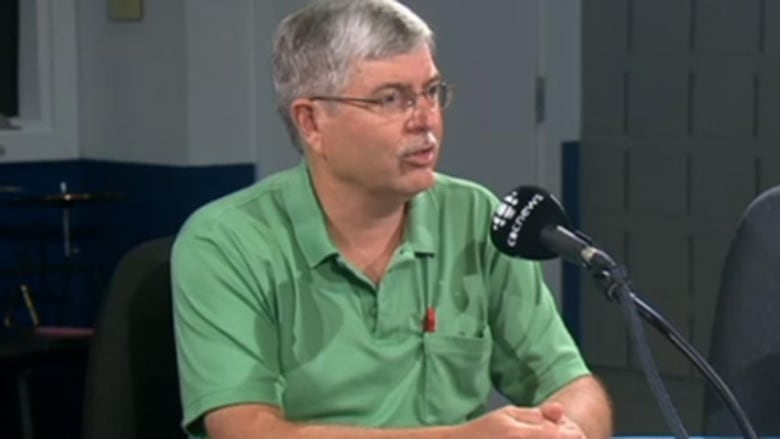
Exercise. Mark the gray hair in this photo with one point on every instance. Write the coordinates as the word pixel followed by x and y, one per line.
pixel 315 47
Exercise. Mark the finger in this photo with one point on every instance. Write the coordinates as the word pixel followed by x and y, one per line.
pixel 552 411
pixel 525 414
pixel 572 433
pixel 571 430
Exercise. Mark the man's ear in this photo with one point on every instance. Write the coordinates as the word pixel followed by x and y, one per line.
pixel 308 118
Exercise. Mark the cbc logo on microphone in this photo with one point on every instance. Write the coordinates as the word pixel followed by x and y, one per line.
pixel 506 211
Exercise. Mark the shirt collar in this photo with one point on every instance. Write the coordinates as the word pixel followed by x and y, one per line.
pixel 421 223
pixel 308 218
pixel 309 222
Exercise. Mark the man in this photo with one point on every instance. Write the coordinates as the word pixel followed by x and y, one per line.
pixel 357 295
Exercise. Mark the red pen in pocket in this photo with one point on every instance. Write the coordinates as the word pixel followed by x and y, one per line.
pixel 430 320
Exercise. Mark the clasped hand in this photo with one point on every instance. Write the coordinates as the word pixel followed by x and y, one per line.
pixel 548 421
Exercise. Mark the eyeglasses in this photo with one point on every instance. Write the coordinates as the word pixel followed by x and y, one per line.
pixel 397 100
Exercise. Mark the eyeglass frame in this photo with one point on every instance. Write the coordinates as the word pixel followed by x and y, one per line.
pixel 408 96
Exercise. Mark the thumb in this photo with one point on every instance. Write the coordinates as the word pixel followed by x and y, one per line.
pixel 552 411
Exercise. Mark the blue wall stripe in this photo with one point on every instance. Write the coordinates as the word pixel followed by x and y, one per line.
pixel 570 174
pixel 158 200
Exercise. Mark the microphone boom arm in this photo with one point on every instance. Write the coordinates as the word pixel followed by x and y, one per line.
pixel 531 223
pixel 655 319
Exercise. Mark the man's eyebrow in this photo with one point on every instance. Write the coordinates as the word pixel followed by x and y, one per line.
pixel 436 78
pixel 402 86
pixel 389 85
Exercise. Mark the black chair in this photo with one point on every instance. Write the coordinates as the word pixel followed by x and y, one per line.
pixel 745 346
pixel 132 386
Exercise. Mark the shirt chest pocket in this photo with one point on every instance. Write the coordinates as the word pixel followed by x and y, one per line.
pixel 457 357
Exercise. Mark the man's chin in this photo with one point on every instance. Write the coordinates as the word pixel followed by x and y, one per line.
pixel 421 181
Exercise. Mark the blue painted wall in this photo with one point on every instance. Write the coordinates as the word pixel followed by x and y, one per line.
pixel 158 199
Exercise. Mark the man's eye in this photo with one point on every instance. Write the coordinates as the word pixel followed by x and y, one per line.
pixel 391 97
pixel 433 90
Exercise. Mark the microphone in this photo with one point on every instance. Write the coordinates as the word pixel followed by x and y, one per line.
pixel 531 223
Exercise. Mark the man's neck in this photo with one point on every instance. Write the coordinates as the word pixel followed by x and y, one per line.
pixel 366 228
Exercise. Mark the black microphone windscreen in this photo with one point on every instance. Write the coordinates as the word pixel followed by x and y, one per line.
pixel 520 218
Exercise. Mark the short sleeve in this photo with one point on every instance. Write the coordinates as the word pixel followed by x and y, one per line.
pixel 534 355
pixel 226 336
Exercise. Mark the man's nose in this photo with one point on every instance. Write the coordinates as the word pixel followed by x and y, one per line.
pixel 424 112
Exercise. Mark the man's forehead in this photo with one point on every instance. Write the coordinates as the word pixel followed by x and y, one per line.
pixel 406 69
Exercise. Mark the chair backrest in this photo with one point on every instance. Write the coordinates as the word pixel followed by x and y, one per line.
pixel 132 387
pixel 745 345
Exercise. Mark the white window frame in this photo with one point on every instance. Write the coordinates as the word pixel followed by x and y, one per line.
pixel 50 132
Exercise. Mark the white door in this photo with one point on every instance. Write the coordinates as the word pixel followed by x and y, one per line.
pixel 490 51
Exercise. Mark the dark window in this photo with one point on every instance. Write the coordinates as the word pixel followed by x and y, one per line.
pixel 9 57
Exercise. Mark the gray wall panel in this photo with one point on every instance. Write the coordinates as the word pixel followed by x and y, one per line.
pixel 607 26
pixel 605 340
pixel 701 136
pixel 603 177
pixel 657 180
pixel 727 26
pixel 770 170
pixel 722 185
pixel 658 94
pixel 637 412
pixel 603 97
pixel 771 27
pixel 658 254
pixel 710 244
pixel 769 101
pixel 723 98
pixel 661 26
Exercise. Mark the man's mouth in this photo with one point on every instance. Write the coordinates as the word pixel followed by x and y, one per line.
pixel 421 156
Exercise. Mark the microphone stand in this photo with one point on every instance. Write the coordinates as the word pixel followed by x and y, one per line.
pixel 614 280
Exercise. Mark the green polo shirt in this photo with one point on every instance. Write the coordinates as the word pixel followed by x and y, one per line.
pixel 268 311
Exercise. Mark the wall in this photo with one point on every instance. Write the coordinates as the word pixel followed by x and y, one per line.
pixel 157 122
pixel 678 137
pixel 220 79
pixel 133 82
pixel 183 75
